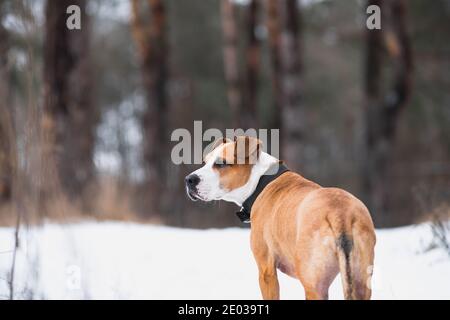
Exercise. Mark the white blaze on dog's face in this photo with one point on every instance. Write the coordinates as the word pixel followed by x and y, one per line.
pixel 227 170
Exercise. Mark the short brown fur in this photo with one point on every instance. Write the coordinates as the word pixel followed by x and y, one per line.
pixel 234 176
pixel 296 227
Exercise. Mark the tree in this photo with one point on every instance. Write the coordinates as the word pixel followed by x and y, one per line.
pixel 242 87
pixel 69 116
pixel 253 53
pixel 284 40
pixel 385 99
pixel 6 129
pixel 151 42
pixel 231 59
pixel 274 29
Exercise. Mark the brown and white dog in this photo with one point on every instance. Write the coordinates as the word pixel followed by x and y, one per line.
pixel 306 231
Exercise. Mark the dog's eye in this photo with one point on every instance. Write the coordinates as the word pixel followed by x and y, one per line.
pixel 220 164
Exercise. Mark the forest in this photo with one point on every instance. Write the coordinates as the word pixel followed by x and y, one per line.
pixel 86 114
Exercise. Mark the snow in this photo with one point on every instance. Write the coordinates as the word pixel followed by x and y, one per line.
pixel 116 260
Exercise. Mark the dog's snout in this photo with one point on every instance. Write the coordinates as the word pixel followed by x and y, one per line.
pixel 192 180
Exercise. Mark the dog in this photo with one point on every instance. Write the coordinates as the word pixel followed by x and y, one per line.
pixel 306 231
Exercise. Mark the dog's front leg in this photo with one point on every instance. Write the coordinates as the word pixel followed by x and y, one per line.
pixel 268 280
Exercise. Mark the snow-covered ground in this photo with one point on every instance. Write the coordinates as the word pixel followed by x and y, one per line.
pixel 129 261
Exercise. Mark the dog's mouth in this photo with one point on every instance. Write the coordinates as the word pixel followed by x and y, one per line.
pixel 193 195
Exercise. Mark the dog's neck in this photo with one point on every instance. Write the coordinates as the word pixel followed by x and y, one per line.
pixel 241 194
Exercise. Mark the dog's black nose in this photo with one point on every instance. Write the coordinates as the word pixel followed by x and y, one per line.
pixel 192 180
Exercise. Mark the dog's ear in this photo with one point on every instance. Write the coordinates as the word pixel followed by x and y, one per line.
pixel 214 145
pixel 219 142
pixel 247 149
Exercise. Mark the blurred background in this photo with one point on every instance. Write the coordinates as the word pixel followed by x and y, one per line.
pixel 86 115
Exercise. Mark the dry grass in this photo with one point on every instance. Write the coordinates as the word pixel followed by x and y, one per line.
pixel 440 227
pixel 108 201
pixel 114 201
pixel 7 215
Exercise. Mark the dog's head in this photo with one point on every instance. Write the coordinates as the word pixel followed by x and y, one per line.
pixel 226 169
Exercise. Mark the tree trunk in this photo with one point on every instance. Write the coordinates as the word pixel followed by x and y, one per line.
pixel 284 38
pixel 293 116
pixel 383 106
pixel 242 89
pixel 152 48
pixel 274 29
pixel 69 117
pixel 250 107
pixel 6 127
pixel 231 61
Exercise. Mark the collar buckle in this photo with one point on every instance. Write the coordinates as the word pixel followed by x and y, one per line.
pixel 243 215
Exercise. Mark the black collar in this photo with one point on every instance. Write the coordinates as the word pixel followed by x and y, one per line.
pixel 266 178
